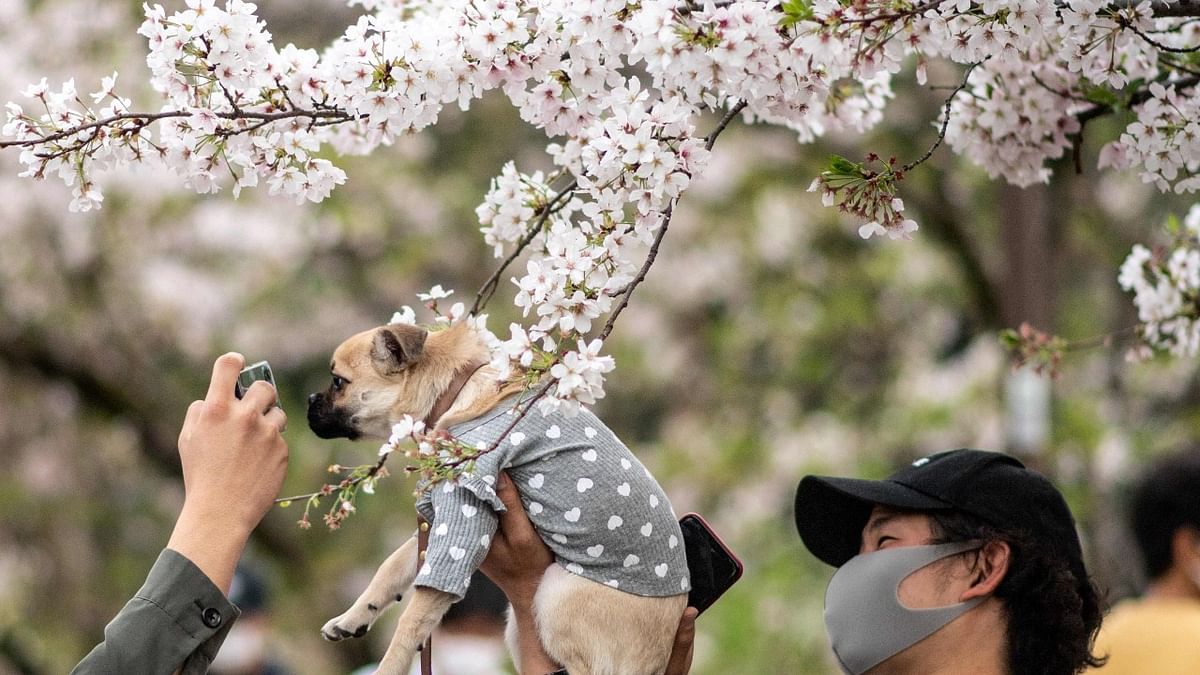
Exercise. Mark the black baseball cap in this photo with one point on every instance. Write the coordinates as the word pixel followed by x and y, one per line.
pixel 997 488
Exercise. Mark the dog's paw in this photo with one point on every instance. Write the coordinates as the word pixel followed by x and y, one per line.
pixel 354 623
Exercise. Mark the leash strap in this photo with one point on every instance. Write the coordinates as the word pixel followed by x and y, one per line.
pixel 440 407
pixel 422 544
pixel 443 402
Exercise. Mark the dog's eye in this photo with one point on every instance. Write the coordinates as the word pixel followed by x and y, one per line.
pixel 338 383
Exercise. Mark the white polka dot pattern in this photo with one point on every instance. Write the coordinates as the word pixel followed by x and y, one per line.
pixel 592 501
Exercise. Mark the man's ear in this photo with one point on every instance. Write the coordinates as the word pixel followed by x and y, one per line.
pixel 991 566
pixel 395 348
pixel 1185 546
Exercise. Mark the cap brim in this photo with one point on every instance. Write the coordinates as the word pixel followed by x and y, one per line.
pixel 831 512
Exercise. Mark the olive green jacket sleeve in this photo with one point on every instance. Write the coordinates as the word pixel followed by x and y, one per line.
pixel 177 621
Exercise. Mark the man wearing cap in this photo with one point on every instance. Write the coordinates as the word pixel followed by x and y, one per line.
pixel 965 562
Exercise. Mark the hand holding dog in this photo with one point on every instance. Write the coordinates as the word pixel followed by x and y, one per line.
pixel 234 460
pixel 516 562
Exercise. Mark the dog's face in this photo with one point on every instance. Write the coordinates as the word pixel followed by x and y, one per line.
pixel 377 376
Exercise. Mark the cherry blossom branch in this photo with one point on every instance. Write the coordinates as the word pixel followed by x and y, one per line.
pixel 641 275
pixel 1139 96
pixel 895 16
pixel 732 113
pixel 1167 9
pixel 945 120
pixel 626 292
pixel 545 389
pixel 329 489
pixel 488 289
pixel 147 118
pixel 1180 67
pixel 1125 23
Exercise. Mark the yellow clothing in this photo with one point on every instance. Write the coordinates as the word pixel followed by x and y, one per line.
pixel 1151 636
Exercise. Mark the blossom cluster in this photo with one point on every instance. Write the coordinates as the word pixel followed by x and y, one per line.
pixel 620 88
pixel 1166 288
pixel 1164 143
pixel 867 192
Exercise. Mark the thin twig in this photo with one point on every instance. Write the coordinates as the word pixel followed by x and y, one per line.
pixel 352 481
pixel 1139 96
pixel 733 112
pixel 945 120
pixel 1167 8
pixel 641 276
pixel 488 289
pixel 147 118
pixel 520 416
pixel 1125 23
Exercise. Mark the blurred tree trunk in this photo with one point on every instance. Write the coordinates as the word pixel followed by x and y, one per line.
pixel 1027 286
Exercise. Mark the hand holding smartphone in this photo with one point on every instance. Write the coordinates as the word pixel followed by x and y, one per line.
pixel 712 566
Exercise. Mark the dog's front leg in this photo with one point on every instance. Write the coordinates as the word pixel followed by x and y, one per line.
pixel 392 579
pixel 423 613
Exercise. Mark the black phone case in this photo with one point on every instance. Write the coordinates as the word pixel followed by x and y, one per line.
pixel 712 566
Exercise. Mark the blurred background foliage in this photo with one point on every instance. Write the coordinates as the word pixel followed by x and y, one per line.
pixel 768 342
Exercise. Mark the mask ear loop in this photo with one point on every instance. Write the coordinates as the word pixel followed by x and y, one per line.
pixel 957 548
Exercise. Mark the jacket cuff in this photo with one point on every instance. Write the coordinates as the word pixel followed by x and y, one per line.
pixel 184 593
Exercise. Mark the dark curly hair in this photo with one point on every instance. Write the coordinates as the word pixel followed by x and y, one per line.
pixel 1052 616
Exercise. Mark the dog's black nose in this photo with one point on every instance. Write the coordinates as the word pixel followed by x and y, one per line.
pixel 312 398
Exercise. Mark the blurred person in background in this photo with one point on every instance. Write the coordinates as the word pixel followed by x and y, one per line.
pixel 964 563
pixel 179 618
pixel 1159 632
pixel 470 639
pixel 247 647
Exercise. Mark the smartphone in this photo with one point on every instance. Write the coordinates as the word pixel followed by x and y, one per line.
pixel 711 565
pixel 251 374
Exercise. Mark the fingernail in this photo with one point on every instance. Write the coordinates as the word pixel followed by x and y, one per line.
pixel 503 482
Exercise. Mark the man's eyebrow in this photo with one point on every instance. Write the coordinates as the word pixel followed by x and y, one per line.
pixel 879 521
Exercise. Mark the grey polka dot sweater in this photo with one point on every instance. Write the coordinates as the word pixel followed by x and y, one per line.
pixel 592 501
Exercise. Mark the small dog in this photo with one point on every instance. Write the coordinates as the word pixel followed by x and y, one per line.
pixel 613 600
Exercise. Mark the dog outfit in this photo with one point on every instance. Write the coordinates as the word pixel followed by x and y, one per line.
pixel 594 504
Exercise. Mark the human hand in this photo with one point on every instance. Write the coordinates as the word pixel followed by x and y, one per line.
pixel 515 562
pixel 518 557
pixel 234 460
pixel 681 652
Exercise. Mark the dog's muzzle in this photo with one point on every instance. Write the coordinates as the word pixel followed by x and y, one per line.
pixel 327 420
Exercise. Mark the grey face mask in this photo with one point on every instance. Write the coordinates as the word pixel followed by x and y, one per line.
pixel 864 617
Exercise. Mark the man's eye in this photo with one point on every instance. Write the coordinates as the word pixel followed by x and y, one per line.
pixel 883 540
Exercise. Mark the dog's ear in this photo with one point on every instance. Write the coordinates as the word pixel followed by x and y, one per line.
pixel 395 348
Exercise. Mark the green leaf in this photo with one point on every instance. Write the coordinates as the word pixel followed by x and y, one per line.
pixel 1174 227
pixel 839 164
pixel 795 11
pixel 1100 95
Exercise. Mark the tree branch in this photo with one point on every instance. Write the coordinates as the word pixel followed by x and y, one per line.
pixel 732 113
pixel 488 289
pixel 1124 23
pixel 641 276
pixel 1139 96
pixel 945 120
pixel 146 118
pixel 1167 9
